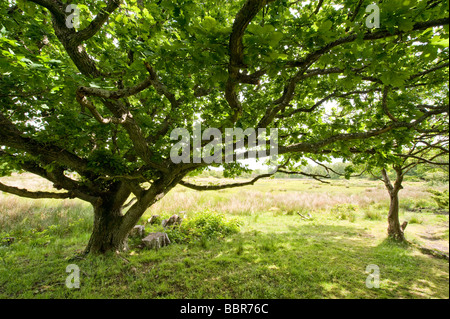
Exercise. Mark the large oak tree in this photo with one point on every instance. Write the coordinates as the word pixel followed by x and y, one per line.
pixel 101 99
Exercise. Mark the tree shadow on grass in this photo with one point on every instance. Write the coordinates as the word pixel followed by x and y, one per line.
pixel 311 261
pixel 303 262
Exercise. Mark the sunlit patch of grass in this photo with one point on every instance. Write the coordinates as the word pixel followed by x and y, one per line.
pixel 414 219
pixel 373 214
pixel 344 212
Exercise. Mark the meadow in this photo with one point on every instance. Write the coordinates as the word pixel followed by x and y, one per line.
pixel 296 239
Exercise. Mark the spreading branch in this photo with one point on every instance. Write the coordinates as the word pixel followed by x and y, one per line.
pixel 97 23
pixel 226 186
pixel 35 195
pixel 236 51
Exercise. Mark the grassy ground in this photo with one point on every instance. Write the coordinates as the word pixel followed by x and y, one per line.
pixel 277 253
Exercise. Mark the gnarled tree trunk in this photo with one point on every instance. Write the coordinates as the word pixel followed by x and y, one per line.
pixel 107 234
pixel 395 230
pixel 111 225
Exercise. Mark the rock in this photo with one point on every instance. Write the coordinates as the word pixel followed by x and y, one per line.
pixel 138 231
pixel 156 240
pixel 153 220
pixel 172 221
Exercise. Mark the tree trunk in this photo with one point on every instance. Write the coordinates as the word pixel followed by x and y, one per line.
pixel 111 227
pixel 107 234
pixel 394 228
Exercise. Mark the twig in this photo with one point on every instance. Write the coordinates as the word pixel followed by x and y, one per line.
pixel 304 217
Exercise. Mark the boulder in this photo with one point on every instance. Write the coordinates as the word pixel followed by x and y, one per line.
pixel 172 221
pixel 138 231
pixel 156 240
pixel 153 220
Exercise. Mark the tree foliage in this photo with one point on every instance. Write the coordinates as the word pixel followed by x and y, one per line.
pixel 101 99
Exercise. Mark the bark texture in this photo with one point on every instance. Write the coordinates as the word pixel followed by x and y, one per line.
pixel 395 230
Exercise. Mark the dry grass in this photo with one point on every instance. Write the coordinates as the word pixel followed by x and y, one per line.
pixel 28 181
pixel 35 213
pixel 281 195
pixel 266 195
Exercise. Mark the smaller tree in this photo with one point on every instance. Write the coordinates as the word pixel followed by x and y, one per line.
pixel 427 148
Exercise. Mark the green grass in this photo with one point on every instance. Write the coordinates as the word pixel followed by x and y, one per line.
pixel 276 253
pixel 374 214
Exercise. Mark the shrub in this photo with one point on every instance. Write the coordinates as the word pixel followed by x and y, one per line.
pixel 407 204
pixel 344 212
pixel 415 220
pixel 373 215
pixel 441 198
pixel 423 203
pixel 204 226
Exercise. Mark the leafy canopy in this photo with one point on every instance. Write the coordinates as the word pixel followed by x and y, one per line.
pixel 312 69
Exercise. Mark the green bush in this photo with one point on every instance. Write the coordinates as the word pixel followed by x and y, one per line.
pixel 423 203
pixel 344 212
pixel 441 198
pixel 415 220
pixel 412 179
pixel 373 214
pixel 407 204
pixel 204 226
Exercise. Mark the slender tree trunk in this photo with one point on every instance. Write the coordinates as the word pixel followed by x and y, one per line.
pixel 394 228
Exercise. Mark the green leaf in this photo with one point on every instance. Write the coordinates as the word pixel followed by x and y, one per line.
pixel 438 41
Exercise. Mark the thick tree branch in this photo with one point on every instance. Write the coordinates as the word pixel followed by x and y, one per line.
pixel 34 195
pixel 72 40
pixel 97 23
pixel 115 95
pixel 10 136
pixel 387 181
pixel 84 102
pixel 236 51
pixel 160 88
pixel 54 6
pixel 124 117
